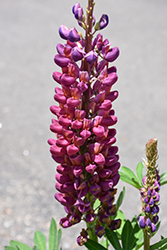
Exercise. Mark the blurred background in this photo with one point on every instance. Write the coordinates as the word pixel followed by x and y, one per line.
pixel 28 37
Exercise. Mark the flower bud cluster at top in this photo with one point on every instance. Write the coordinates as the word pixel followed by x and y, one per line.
pixel 150 191
pixel 88 160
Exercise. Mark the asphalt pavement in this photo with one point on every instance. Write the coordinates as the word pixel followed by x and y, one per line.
pixel 28 37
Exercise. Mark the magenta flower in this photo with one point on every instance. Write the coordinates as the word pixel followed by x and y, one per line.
pixel 84 147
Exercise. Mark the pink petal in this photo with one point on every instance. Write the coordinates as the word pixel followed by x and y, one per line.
pixel 99 130
pixel 67 80
pixel 99 159
pixel 57 151
pixel 72 149
pixel 85 134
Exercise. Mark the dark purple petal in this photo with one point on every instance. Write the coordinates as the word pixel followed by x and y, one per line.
pixel 91 57
pixel 62 178
pixel 64 222
pixel 64 32
pixel 103 21
pixel 65 200
pixel 109 121
pixel 153 228
pixel 112 54
pixel 94 189
pixel 75 7
pixel 90 217
pixel 74 36
pixel 77 54
pixel 100 231
pixel 147 209
pixel 79 14
pixel 141 221
pixel 106 184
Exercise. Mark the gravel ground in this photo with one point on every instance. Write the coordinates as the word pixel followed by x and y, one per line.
pixel 28 34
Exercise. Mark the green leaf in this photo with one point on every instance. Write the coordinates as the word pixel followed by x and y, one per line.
pixel 129 173
pixel 52 235
pixel 58 239
pixel 113 238
pixel 20 245
pixel 96 203
pixel 93 245
pixel 120 198
pixel 40 240
pixel 128 239
pixel 10 248
pixel 126 179
pixel 139 171
pixel 163 182
pixel 35 248
pixel 120 215
pixel 163 175
pixel 161 245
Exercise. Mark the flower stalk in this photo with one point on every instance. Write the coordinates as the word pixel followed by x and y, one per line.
pixel 84 147
pixel 150 193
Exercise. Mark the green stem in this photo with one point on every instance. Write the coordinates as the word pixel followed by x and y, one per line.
pixel 91 232
pixel 146 241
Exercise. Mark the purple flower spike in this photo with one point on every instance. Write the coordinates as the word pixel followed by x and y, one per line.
pixel 64 32
pixel 112 54
pixel 87 160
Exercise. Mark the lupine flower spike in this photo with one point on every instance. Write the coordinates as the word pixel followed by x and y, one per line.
pixel 84 149
pixel 150 191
